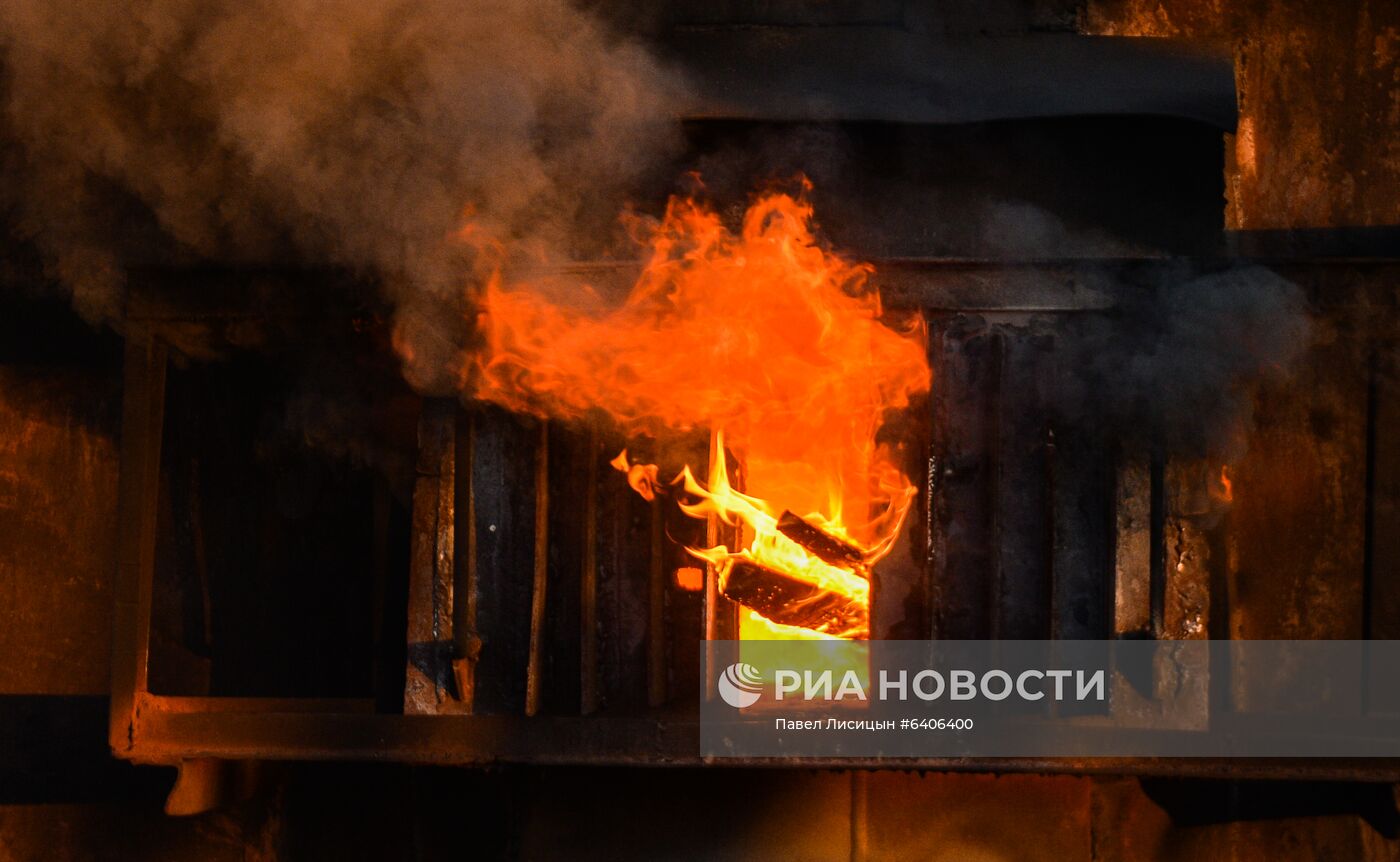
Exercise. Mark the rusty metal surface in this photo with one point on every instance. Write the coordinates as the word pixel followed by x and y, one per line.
pixel 143 401
pixel 429 682
pixel 1132 546
pixel 206 784
pixel 1190 516
pixel 58 492
pixel 1299 521
pixel 1316 145
pixel 466 641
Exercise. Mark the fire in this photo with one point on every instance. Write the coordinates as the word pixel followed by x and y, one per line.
pixel 774 342
pixel 1226 494
pixel 642 478
pixel 770 550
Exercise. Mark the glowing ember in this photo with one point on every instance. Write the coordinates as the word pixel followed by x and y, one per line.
pixel 776 344
pixel 690 579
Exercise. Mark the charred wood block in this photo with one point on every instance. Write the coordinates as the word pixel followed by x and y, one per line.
pixel 822 544
pixel 787 600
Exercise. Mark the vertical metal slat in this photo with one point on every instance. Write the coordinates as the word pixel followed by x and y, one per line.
pixel 656 607
pixel 533 689
pixel 465 584
pixel 588 584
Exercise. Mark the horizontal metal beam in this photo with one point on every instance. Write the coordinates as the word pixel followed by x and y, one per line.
pixel 161 296
pixel 483 740
pixel 888 74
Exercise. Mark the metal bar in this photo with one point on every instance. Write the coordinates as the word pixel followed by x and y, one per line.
pixel 720 615
pixel 429 628
pixel 1187 608
pixel 1023 512
pixel 656 607
pixel 379 538
pixel 216 705
pixel 420 684
pixel 965 284
pixel 588 584
pixel 997 409
pixel 168 737
pixel 504 456
pixel 873 73
pixel 712 538
pixel 533 690
pixel 1132 546
pixel 860 816
pixel 143 412
pixel 201 560
pixel 1081 567
pixel 1382 581
pixel 936 510
pixel 1157 576
pixel 1222 567
pixel 444 533
pixel 465 585
pixel 964 360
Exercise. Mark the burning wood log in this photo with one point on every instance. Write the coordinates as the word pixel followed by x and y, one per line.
pixel 787 600
pixel 823 545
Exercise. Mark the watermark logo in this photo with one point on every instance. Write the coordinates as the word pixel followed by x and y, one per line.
pixel 740 685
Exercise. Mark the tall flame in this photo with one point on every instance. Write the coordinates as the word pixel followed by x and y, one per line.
pixel 770 549
pixel 763 334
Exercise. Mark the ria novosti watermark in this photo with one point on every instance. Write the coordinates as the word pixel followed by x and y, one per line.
pixel 1050 698
pixel 930 685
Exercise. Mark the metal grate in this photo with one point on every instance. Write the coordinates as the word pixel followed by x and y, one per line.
pixel 544 626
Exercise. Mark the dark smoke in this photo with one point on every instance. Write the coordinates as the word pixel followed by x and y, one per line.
pixel 355 133
pixel 1175 362
pixel 339 133
pixel 1173 350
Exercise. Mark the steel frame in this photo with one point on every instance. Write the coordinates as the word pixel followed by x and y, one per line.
pixel 150 728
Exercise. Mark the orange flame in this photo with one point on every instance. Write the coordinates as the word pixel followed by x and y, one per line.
pixel 641 477
pixel 770 548
pixel 1226 493
pixel 763 335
